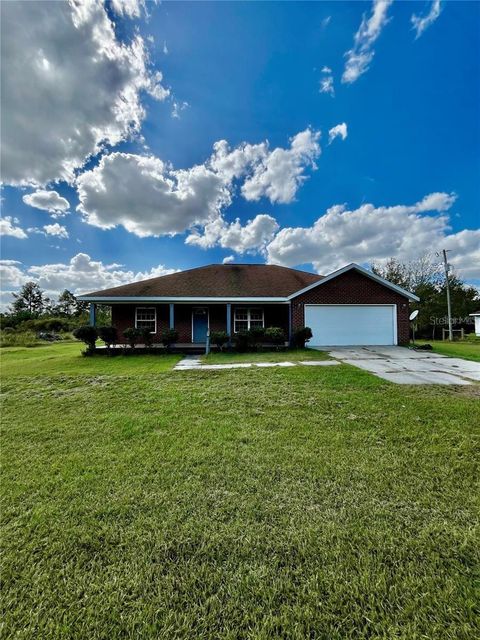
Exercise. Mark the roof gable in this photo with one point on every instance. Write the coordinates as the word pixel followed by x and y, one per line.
pixel 365 272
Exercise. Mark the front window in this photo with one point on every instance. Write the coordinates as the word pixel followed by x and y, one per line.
pixel 146 318
pixel 247 317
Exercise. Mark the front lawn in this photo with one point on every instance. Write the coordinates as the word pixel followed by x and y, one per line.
pixel 64 358
pixel 469 350
pixel 291 355
pixel 306 502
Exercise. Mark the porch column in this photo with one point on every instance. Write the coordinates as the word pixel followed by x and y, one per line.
pixel 93 314
pixel 172 315
pixel 229 319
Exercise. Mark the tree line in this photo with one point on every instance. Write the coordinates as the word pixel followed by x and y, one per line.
pixel 425 277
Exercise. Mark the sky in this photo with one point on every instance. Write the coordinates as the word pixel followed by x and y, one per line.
pixel 140 138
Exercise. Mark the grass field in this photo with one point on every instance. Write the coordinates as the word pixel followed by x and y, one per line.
pixel 311 502
pixel 468 349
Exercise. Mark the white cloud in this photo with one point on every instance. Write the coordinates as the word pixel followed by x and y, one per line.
pixel 146 197
pixel 149 197
pixel 326 21
pixel 165 48
pixel 228 259
pixel 371 233
pixel 11 275
pixel 56 230
pixel 326 85
pixel 279 175
pixel 128 8
pixel 178 107
pixel 254 236
pixel 8 228
pixel 50 201
pixel 80 275
pixel 421 23
pixel 361 54
pixel 69 87
pixel 338 130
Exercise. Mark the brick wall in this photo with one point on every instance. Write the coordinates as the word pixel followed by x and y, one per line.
pixel 354 288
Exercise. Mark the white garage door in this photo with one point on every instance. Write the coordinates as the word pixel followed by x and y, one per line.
pixel 344 324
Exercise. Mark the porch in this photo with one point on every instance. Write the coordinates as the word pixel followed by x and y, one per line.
pixel 192 320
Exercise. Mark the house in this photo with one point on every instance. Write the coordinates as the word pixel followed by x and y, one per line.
pixel 476 317
pixel 351 306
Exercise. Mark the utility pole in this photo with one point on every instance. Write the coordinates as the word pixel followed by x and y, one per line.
pixel 449 304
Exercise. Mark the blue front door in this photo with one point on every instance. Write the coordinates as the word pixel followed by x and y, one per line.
pixel 199 324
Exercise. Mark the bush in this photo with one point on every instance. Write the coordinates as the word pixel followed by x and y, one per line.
pixel 169 337
pixel 256 335
pixel 275 335
pixel 45 324
pixel 88 335
pixel 108 335
pixel 301 336
pixel 241 341
pixel 133 336
pixel 147 337
pixel 219 339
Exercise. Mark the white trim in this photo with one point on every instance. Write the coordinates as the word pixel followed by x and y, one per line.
pixel 136 319
pixel 199 301
pixel 208 320
pixel 365 272
pixel 394 315
pixel 248 321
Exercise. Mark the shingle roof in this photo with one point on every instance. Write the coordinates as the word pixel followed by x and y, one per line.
pixel 219 281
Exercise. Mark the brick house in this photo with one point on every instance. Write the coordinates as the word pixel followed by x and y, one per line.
pixel 351 306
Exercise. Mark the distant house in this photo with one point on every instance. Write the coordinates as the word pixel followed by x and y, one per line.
pixel 351 306
pixel 476 317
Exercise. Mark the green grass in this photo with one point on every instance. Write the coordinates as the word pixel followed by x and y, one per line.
pixel 469 350
pixel 292 355
pixel 311 502
pixel 64 358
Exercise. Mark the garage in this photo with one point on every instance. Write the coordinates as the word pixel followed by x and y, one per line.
pixel 356 324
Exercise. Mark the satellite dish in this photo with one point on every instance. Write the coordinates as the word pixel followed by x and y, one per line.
pixel 413 315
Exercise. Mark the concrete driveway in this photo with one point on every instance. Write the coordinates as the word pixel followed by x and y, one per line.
pixel 406 366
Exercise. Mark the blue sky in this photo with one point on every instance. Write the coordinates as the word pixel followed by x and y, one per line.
pixel 402 179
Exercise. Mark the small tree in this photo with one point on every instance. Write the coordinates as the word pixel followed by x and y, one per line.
pixel 88 335
pixel 169 337
pixel 301 336
pixel 108 335
pixel 219 339
pixel 132 335
pixel 30 298
pixel 275 335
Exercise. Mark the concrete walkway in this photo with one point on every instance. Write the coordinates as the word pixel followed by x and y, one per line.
pixel 406 366
pixel 194 363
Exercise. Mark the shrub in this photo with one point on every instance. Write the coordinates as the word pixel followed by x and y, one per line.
pixel 257 335
pixel 241 341
pixel 88 335
pixel 301 336
pixel 45 324
pixel 275 335
pixel 147 337
pixel 169 337
pixel 219 338
pixel 132 335
pixel 108 335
